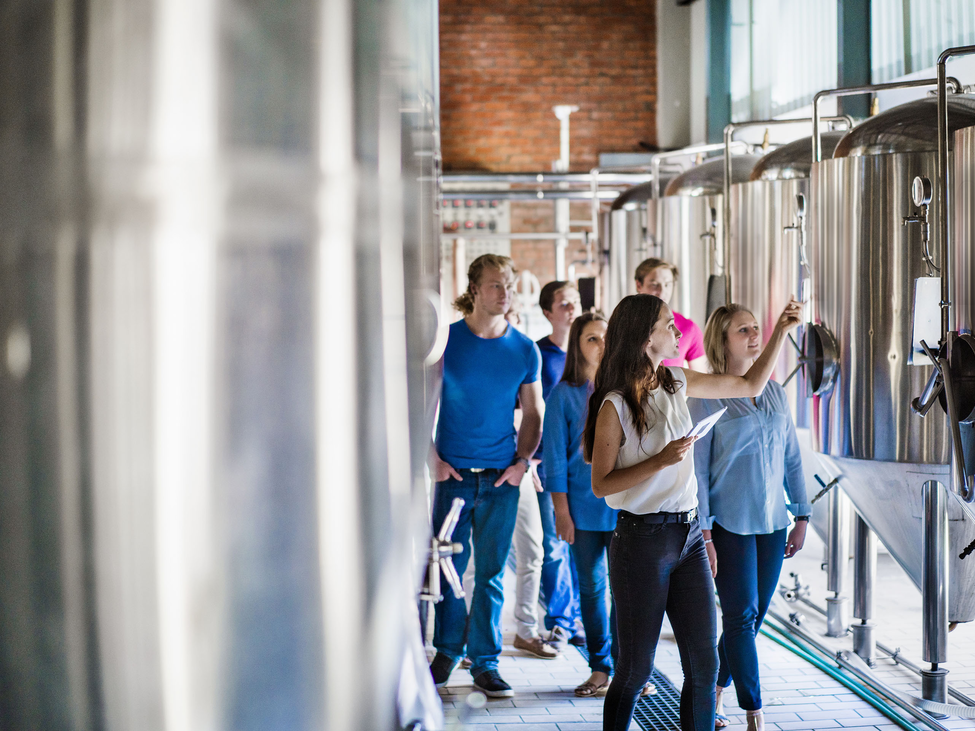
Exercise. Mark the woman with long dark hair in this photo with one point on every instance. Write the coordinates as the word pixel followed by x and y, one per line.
pixel 636 439
pixel 581 519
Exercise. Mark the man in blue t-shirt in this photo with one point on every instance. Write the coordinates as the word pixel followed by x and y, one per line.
pixel 559 592
pixel 488 367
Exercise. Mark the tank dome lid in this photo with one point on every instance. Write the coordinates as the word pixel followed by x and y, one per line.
pixel 708 178
pixel 794 160
pixel 634 196
pixel 911 127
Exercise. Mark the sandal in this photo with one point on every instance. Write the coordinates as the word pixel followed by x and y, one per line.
pixel 721 720
pixel 591 690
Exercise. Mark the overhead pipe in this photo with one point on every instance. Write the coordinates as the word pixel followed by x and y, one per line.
pixel 729 132
pixel 817 146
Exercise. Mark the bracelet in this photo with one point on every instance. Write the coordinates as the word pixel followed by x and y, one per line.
pixel 708 540
pixel 802 517
pixel 524 461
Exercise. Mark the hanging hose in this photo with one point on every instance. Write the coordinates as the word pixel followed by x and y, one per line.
pixel 867 695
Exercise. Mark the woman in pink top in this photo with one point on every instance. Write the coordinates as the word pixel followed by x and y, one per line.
pixel 657 277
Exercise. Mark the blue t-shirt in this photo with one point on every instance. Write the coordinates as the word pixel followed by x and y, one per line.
pixel 481 378
pixel 553 363
pixel 565 468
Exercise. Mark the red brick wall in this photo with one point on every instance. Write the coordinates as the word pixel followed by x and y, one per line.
pixel 505 63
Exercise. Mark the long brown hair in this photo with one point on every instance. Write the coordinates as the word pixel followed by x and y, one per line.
pixel 716 334
pixel 626 367
pixel 465 303
pixel 575 362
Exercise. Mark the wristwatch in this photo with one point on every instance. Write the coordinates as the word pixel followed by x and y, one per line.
pixel 522 460
pixel 802 517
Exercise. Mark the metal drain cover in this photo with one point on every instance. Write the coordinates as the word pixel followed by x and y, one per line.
pixel 658 712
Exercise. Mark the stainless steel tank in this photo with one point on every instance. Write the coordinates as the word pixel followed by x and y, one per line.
pixel 627 225
pixel 689 232
pixel 962 204
pixel 767 267
pixel 214 220
pixel 863 369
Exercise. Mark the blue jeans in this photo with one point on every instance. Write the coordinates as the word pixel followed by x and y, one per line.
pixel 590 551
pixel 557 590
pixel 489 514
pixel 748 573
pixel 655 568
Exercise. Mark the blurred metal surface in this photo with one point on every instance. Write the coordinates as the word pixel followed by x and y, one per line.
pixel 934 573
pixel 209 213
pixel 793 160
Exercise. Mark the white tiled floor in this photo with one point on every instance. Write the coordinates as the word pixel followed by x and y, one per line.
pixel 796 695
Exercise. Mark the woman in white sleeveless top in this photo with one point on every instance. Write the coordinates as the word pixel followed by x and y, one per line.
pixel 636 437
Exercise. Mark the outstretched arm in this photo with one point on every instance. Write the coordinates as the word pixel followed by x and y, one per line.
pixel 707 385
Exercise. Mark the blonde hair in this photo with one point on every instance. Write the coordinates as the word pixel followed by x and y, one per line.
pixel 716 333
pixel 465 303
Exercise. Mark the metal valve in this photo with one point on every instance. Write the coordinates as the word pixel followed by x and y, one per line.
pixel 827 486
pixel 921 195
pixel 932 389
pixel 442 551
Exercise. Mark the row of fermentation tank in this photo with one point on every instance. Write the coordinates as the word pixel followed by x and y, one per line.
pixel 834 233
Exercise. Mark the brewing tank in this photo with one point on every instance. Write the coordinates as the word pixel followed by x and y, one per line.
pixel 689 233
pixel 766 258
pixel 863 369
pixel 627 225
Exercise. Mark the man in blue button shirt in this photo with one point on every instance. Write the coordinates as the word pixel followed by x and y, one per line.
pixel 488 368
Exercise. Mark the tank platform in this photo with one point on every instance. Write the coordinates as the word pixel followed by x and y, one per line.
pixel 796 694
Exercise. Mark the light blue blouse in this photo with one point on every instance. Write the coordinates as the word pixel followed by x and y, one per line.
pixel 565 468
pixel 748 464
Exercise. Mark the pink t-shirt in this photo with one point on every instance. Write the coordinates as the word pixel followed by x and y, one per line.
pixel 691 342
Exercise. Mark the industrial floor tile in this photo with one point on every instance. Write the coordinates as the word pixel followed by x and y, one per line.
pixel 797 696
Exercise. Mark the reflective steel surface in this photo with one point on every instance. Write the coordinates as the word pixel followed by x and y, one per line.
pixel 963 208
pixel 888 497
pixel 864 266
pixel 765 265
pixel 217 237
pixel 708 177
pixel 681 223
pixel 793 160
pixel 910 127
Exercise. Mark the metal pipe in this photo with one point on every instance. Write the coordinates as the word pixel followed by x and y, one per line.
pixel 888 693
pixel 729 132
pixel 934 573
pixel 817 148
pixel 545 236
pixel 838 551
pixel 947 285
pixel 527 195
pixel 619 178
pixel 789 628
pixel 864 578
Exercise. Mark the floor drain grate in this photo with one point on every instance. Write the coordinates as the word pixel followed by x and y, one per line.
pixel 659 712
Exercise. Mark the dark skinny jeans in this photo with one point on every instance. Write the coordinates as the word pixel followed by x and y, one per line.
pixel 655 568
pixel 748 573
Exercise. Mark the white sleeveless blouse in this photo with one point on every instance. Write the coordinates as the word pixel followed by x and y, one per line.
pixel 674 488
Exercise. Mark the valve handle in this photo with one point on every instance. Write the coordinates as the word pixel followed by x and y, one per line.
pixel 826 487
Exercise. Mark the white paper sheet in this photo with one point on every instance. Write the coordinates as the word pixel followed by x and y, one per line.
pixel 704 425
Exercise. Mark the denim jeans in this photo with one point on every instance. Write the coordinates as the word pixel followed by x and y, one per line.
pixel 590 550
pixel 748 573
pixel 655 568
pixel 489 515
pixel 558 591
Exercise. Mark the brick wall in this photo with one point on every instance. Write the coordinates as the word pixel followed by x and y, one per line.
pixel 505 63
